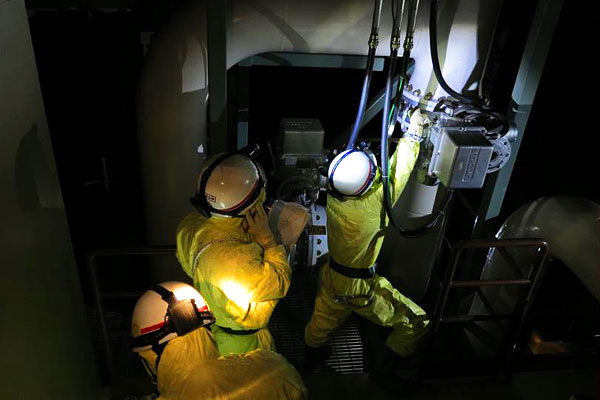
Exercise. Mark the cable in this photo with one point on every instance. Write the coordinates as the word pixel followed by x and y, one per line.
pixel 387 126
pixel 408 44
pixel 436 60
pixel 373 42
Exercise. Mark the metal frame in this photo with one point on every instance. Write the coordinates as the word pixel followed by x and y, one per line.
pixel 92 267
pixel 526 85
pixel 216 29
pixel 306 60
pixel 521 311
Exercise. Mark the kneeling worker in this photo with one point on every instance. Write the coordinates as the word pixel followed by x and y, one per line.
pixel 171 333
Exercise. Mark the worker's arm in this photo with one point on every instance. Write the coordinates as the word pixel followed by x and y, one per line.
pixel 185 239
pixel 405 156
pixel 261 267
pixel 273 281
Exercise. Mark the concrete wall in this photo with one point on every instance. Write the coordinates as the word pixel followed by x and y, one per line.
pixel 45 345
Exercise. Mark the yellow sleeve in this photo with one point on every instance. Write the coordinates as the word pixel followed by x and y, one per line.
pixel 185 239
pixel 263 274
pixel 401 166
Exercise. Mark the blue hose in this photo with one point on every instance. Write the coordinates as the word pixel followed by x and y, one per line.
pixel 363 98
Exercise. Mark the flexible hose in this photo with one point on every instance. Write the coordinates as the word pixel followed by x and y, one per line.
pixel 504 126
pixel 386 127
pixel 433 14
pixel 363 99
pixel 408 44
pixel 373 42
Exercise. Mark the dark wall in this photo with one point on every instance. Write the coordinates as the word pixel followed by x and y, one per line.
pixel 88 66
pixel 559 150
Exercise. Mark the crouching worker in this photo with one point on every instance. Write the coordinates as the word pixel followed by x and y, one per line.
pixel 171 333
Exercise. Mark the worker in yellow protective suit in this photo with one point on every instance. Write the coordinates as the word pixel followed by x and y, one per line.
pixel 170 334
pixel 356 221
pixel 230 253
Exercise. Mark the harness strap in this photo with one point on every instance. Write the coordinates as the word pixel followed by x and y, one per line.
pixel 361 273
pixel 239 332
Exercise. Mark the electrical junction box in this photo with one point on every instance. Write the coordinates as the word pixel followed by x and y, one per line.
pixel 461 158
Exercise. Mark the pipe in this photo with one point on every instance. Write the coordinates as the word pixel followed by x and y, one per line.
pixel 173 93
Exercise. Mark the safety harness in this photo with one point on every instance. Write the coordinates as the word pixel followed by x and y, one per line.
pixel 354 273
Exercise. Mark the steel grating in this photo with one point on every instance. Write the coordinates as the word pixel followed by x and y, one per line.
pixel 291 316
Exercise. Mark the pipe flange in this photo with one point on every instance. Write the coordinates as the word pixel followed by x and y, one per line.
pixel 500 154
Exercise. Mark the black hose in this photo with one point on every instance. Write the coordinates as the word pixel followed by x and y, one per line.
pixel 433 14
pixel 385 126
pixel 408 43
pixel 376 17
pixel 384 133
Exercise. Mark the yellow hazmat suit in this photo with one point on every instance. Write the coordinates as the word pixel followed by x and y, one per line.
pixel 355 228
pixel 241 281
pixel 190 369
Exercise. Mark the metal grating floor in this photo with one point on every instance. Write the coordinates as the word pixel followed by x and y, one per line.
pixel 291 316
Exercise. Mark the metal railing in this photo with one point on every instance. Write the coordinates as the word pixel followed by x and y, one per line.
pixel 521 310
pixel 97 293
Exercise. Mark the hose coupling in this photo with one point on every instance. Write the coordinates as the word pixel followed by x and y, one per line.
pixel 395 43
pixel 408 43
pixel 374 40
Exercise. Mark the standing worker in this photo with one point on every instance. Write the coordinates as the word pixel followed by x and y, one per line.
pixel 356 222
pixel 231 254
pixel 169 328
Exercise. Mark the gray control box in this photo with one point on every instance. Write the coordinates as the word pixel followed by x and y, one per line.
pixel 462 158
pixel 302 136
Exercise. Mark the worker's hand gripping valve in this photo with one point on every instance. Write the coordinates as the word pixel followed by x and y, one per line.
pixel 415 129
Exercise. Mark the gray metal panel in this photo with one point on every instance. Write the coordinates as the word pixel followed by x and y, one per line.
pixel 302 136
pixel 528 78
pixel 311 61
pixel 463 159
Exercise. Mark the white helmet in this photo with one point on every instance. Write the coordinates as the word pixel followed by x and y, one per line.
pixel 352 172
pixel 168 310
pixel 229 185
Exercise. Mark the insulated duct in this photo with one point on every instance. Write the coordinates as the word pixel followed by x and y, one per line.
pixel 173 91
pixel 570 225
